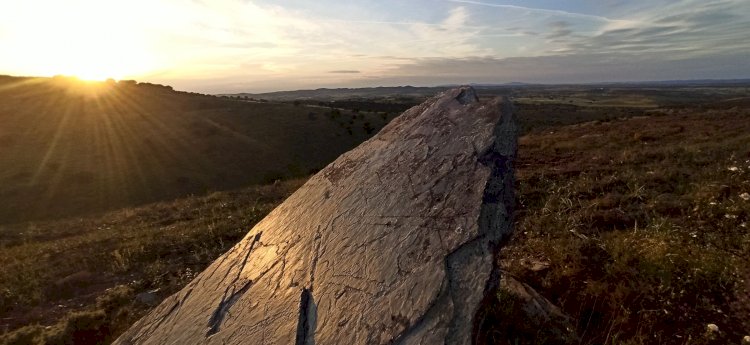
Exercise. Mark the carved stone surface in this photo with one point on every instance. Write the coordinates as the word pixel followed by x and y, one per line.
pixel 393 242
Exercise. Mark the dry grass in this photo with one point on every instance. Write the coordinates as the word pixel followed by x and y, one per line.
pixel 637 228
pixel 63 280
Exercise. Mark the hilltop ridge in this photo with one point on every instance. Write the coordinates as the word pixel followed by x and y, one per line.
pixel 71 147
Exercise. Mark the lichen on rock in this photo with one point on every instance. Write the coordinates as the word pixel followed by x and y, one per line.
pixel 394 242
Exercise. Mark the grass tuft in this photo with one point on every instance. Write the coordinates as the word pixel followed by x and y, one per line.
pixel 646 240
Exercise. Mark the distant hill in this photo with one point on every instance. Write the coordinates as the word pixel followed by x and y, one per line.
pixel 687 82
pixel 420 93
pixel 70 148
pixel 346 93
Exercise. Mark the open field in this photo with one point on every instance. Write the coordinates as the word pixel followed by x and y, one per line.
pixel 635 226
pixel 539 106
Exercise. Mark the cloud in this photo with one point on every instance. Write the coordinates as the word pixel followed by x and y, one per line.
pixel 582 68
pixel 475 41
pixel 203 45
pixel 305 51
pixel 530 10
pixel 682 30
pixel 562 69
pixel 560 28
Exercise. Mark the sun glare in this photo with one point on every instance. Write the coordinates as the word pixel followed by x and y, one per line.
pixel 86 39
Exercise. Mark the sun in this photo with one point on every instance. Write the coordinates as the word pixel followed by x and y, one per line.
pixel 82 38
pixel 95 62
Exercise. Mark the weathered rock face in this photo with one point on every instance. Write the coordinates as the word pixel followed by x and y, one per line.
pixel 391 243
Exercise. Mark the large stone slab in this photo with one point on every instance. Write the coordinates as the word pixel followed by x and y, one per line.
pixel 394 242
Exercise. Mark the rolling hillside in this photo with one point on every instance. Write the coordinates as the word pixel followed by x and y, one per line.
pixel 69 147
pixel 636 228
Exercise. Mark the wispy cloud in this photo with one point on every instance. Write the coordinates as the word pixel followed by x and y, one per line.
pixel 637 41
pixel 530 10
pixel 677 31
pixel 583 68
pixel 238 45
pixel 560 29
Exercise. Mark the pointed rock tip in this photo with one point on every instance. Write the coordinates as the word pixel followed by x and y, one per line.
pixel 466 95
pixel 393 242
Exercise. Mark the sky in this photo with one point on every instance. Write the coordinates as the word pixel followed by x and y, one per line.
pixel 227 46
